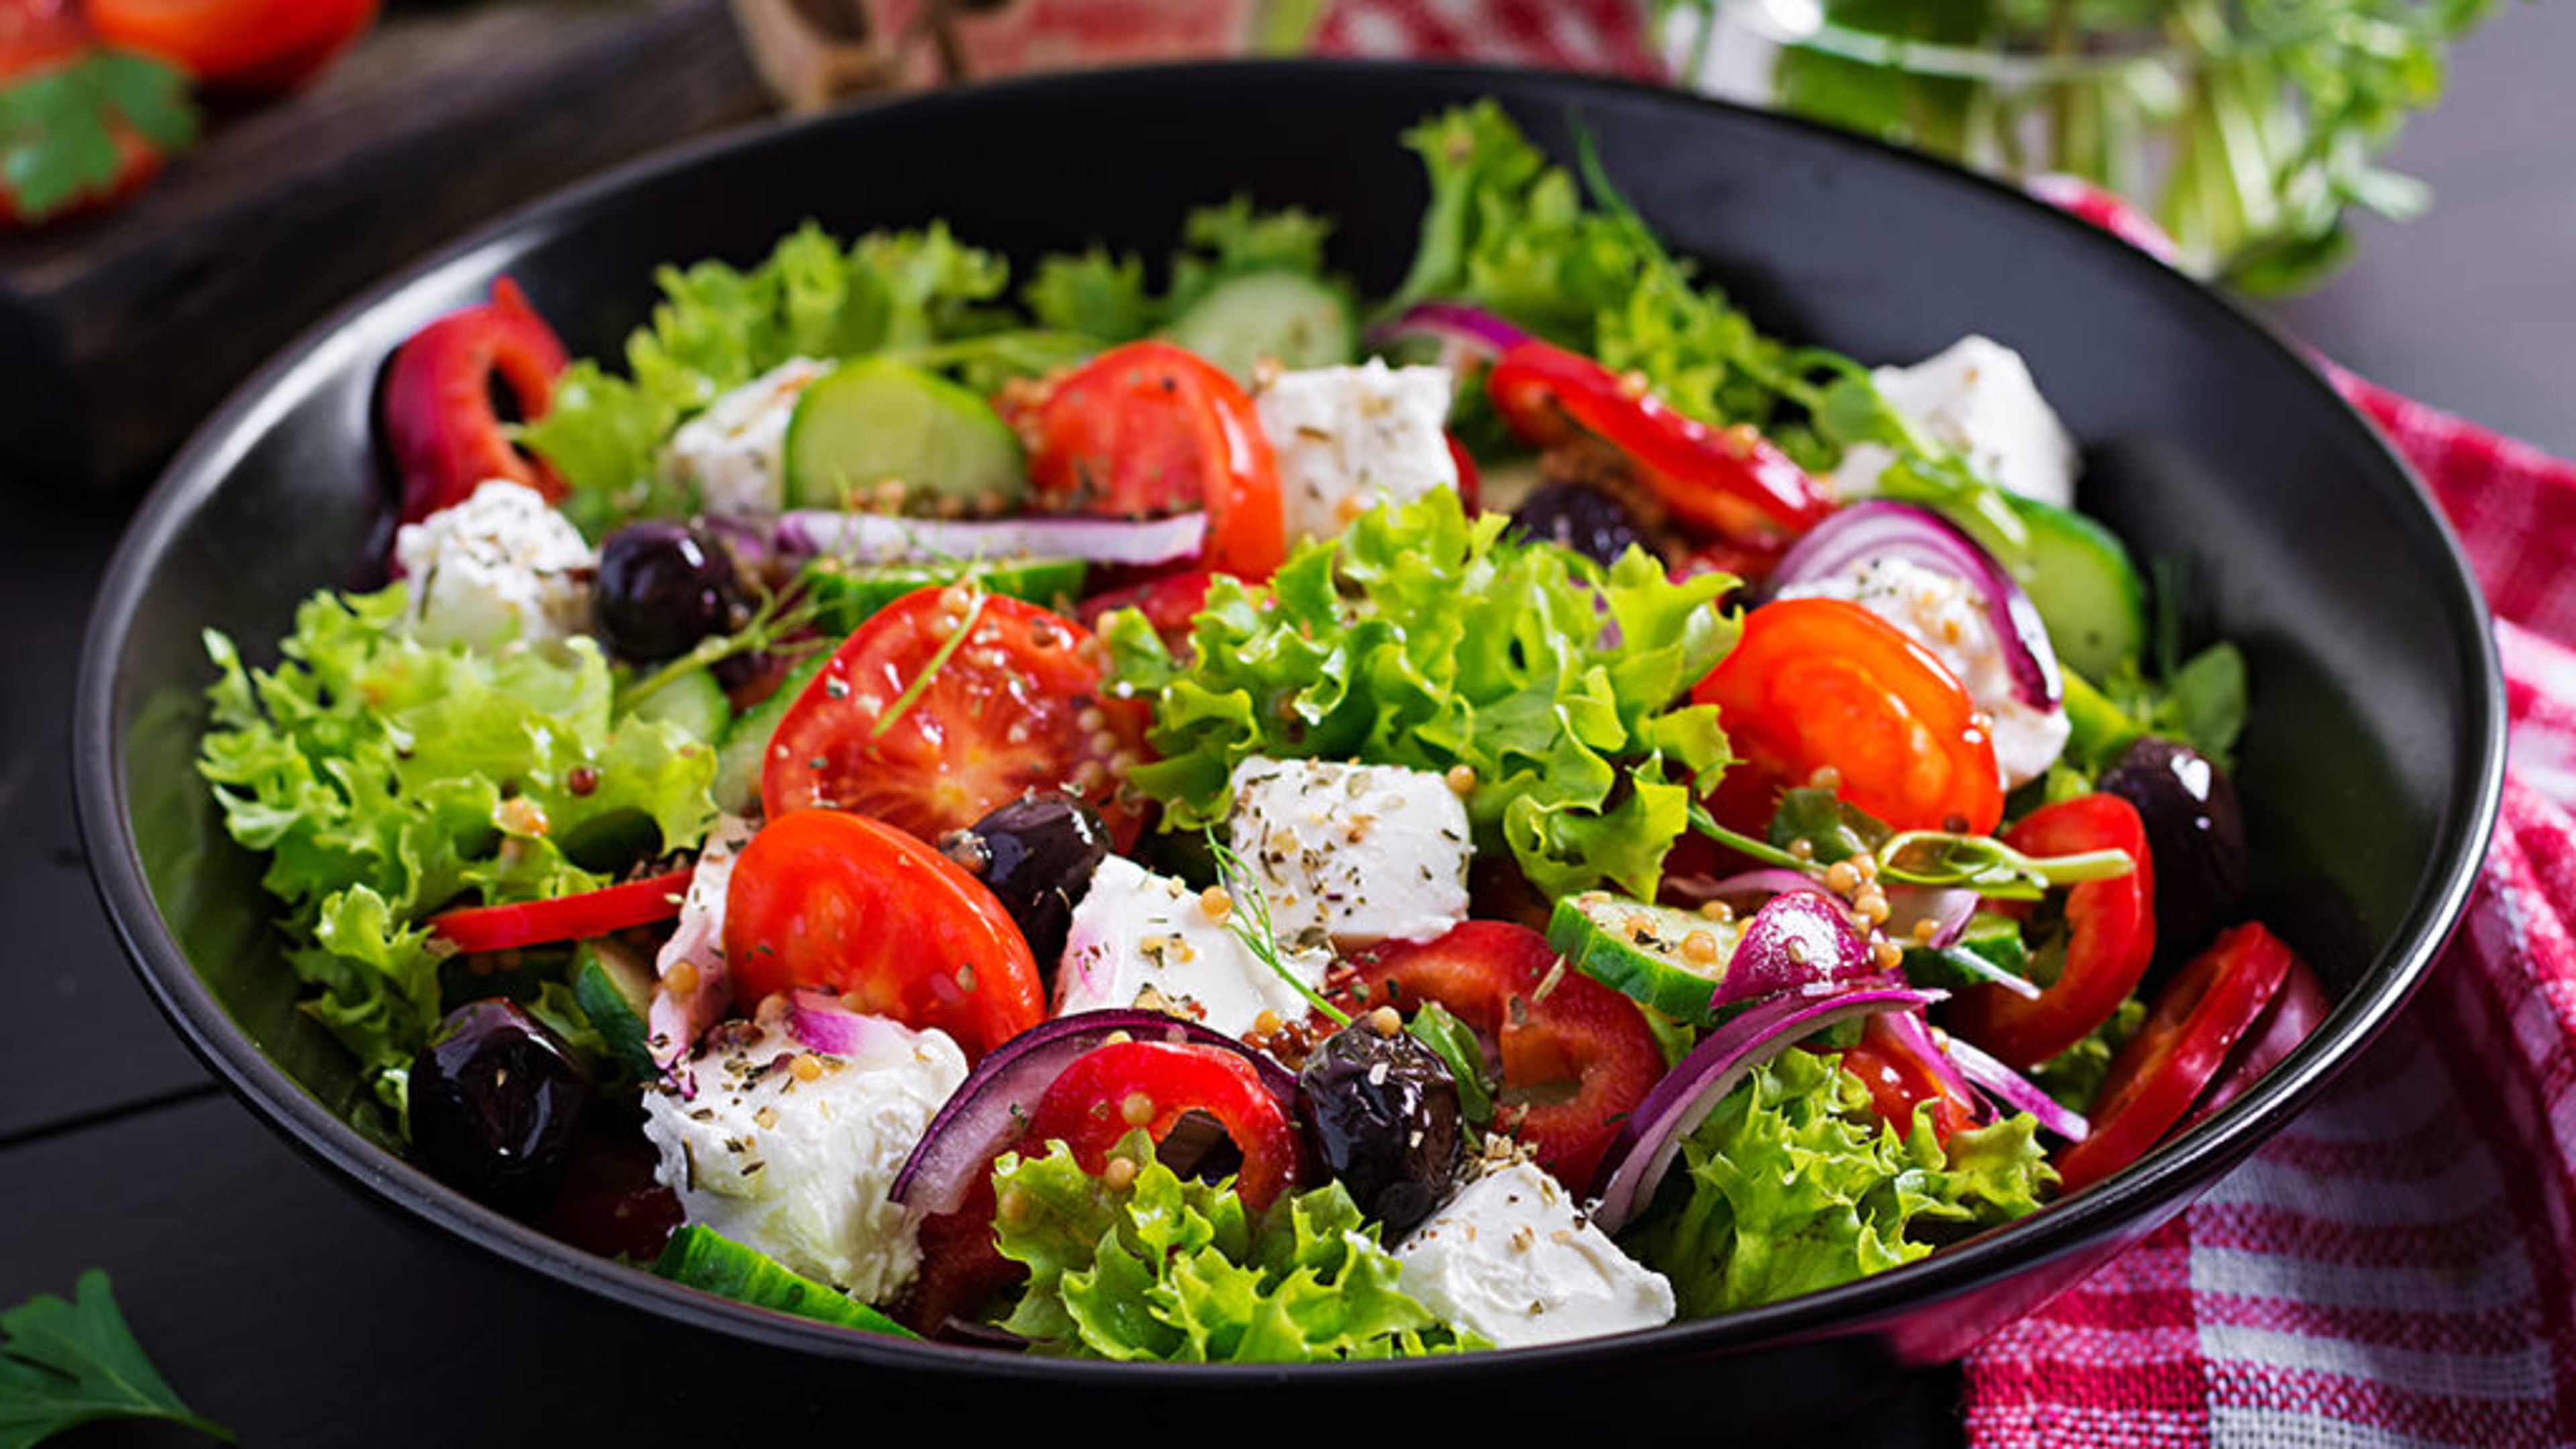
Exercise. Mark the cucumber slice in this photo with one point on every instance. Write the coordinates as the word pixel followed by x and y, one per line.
pixel 1991 947
pixel 707 1260
pixel 846 594
pixel 2079 577
pixel 1646 951
pixel 745 747
pixel 1285 317
pixel 873 420
pixel 694 701
pixel 613 983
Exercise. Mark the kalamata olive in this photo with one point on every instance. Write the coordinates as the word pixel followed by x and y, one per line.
pixel 1580 517
pixel 1381 1110
pixel 2195 834
pixel 495 1098
pixel 1036 854
pixel 664 586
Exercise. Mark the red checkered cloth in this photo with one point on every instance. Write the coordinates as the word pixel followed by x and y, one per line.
pixel 2399 1267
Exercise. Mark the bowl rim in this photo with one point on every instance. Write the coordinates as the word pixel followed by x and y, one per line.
pixel 2130 1203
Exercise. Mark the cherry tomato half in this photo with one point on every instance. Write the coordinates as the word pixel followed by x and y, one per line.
pixel 2188 1033
pixel 1900 1080
pixel 236 47
pixel 851 905
pixel 1824 683
pixel 1730 482
pixel 1010 703
pixel 1115 1089
pixel 1576 1056
pixel 2110 936
pixel 445 435
pixel 1149 429
pixel 1170 603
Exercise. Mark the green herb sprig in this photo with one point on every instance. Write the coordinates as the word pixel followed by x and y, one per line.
pixel 59 127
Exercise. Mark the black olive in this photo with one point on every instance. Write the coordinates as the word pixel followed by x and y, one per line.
pixel 495 1098
pixel 664 586
pixel 1582 518
pixel 1382 1112
pixel 1036 854
pixel 2195 835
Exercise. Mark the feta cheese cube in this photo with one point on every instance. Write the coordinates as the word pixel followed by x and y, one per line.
pixel 735 453
pixel 1512 1259
pixel 1976 396
pixel 1354 854
pixel 797 1163
pixel 1136 934
pixel 1348 438
pixel 503 565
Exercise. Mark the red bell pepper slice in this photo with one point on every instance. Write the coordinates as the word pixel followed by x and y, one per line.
pixel 445 435
pixel 1731 482
pixel 564 918
pixel 2111 935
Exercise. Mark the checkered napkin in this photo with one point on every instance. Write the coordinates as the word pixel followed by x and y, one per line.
pixel 2399 1267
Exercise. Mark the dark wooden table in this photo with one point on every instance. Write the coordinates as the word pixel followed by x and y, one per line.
pixel 278 1302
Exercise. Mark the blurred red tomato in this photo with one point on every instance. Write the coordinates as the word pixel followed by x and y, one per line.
pixel 236 47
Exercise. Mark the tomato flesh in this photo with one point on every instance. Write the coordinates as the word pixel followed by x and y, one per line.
pixel 854 906
pixel 1900 1080
pixel 2188 1034
pixel 1014 706
pixel 2111 936
pixel 1149 429
pixel 1576 1057
pixel 1816 684
pixel 445 436
pixel 1120 1087
pixel 1170 603
pixel 236 47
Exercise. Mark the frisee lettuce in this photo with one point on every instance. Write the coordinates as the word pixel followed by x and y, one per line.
pixel 1425 639
pixel 1794 1184
pixel 372 770
pixel 1173 1270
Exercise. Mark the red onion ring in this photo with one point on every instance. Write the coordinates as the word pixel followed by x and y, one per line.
pixel 2014 1091
pixel 1879 528
pixel 1652 1136
pixel 990 1109
pixel 883 538
pixel 1454 324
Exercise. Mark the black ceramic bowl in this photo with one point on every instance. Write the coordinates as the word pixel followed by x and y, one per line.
pixel 2370 772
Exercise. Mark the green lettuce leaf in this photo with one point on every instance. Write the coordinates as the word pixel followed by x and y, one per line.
pixel 1172 1270
pixel 1794 1184
pixel 1424 639
pixel 387 779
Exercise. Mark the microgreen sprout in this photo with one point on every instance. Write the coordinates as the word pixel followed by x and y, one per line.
pixel 1250 923
pixel 975 596
pixel 768 631
pixel 1988 866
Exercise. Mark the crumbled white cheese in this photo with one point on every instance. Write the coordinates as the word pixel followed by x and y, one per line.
pixel 1356 854
pixel 1136 934
pixel 503 565
pixel 1946 615
pixel 800 1168
pixel 1349 438
pixel 1976 396
pixel 1511 1258
pixel 735 452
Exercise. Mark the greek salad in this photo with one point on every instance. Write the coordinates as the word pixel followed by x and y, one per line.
pixel 1184 812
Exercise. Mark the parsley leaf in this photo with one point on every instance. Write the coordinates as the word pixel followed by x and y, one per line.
pixel 66 1364
pixel 59 128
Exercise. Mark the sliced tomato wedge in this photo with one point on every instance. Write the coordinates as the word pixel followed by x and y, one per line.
pixel 945 704
pixel 564 918
pixel 857 907
pixel 1115 1089
pixel 1817 684
pixel 1149 429
pixel 2110 936
pixel 1731 482
pixel 1170 603
pixel 446 436
pixel 1576 1057
pixel 1900 1081
pixel 2195 1023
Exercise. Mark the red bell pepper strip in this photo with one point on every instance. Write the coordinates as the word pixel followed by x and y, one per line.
pixel 564 918
pixel 2111 935
pixel 1731 482
pixel 439 421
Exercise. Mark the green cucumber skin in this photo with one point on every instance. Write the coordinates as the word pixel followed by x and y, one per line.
pixel 694 701
pixel 873 419
pixel 1285 318
pixel 2085 588
pixel 1584 930
pixel 617 996
pixel 846 596
pixel 744 748
pixel 707 1260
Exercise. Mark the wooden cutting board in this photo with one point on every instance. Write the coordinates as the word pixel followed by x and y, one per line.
pixel 119 333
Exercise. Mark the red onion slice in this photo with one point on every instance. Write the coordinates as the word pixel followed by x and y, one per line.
pixel 990 1109
pixel 1652 1136
pixel 868 538
pixel 2014 1091
pixel 1800 941
pixel 1914 1033
pixel 1455 325
pixel 819 1022
pixel 1879 528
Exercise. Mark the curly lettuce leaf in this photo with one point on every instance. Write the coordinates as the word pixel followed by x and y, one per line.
pixel 1172 1270
pixel 386 779
pixel 1794 1184
pixel 1424 639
